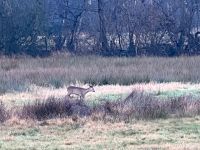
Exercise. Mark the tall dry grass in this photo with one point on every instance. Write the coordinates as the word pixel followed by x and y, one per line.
pixel 54 108
pixel 135 106
pixel 144 106
pixel 17 74
pixel 4 114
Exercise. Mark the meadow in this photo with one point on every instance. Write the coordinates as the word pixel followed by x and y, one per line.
pixel 139 103
pixel 18 74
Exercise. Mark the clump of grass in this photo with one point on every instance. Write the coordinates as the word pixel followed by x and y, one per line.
pixel 53 107
pixel 147 106
pixel 135 106
pixel 144 106
pixel 4 115
pixel 185 106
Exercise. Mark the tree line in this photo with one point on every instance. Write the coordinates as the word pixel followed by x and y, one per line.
pixel 106 27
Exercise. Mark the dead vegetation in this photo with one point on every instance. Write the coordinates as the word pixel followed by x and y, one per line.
pixel 140 106
pixel 18 74
pixel 4 114
pixel 54 108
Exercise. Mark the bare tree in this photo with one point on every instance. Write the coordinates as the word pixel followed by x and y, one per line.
pixel 134 27
pixel 103 39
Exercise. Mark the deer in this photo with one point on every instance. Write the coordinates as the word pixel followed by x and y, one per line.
pixel 79 91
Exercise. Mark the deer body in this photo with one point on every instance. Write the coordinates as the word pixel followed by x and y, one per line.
pixel 79 91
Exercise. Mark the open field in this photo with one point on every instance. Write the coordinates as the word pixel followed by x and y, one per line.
pixel 25 81
pixel 86 134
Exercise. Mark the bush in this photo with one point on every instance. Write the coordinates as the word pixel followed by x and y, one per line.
pixel 185 107
pixel 135 106
pixel 144 106
pixel 52 108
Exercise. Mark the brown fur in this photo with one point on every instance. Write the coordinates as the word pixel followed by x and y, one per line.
pixel 79 91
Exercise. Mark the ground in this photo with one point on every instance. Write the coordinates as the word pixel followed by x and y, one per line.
pixel 85 133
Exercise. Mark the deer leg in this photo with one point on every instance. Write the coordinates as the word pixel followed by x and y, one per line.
pixel 69 95
pixel 82 97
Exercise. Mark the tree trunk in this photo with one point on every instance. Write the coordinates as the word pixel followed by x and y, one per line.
pixel 131 47
pixel 103 38
pixel 46 43
pixel 75 29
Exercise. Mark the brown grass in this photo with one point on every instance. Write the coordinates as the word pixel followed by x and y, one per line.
pixel 17 74
pixel 135 106
pixel 146 106
pixel 4 115
pixel 55 108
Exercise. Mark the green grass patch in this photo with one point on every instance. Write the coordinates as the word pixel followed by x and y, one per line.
pixel 105 97
pixel 112 136
pixel 178 93
pixel 29 132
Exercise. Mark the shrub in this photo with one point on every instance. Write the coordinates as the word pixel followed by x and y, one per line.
pixel 135 106
pixel 144 106
pixel 185 106
pixel 53 107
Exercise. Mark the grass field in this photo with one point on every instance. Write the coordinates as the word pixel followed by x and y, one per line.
pixel 18 74
pixel 87 134
pixel 105 92
pixel 27 80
